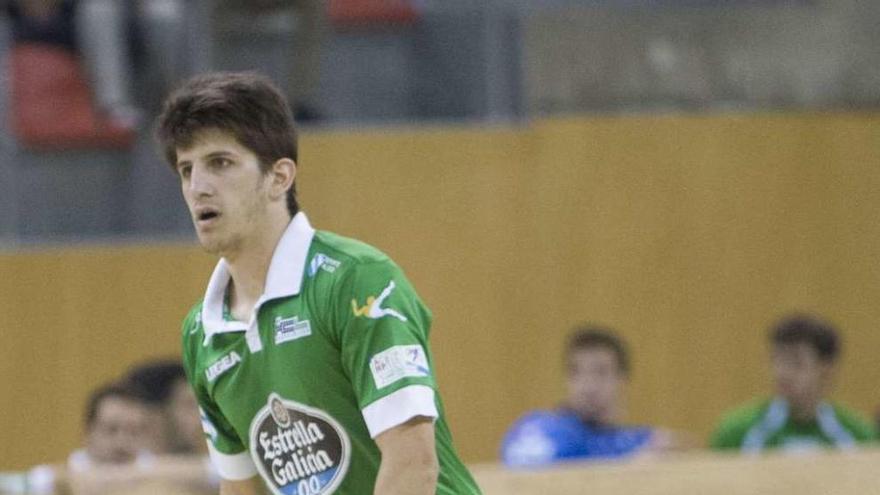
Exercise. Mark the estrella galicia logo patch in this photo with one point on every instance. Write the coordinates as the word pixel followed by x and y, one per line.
pixel 299 450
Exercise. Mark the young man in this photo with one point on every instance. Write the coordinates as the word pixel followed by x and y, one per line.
pixel 798 418
pixel 309 353
pixel 585 427
pixel 115 435
pixel 116 419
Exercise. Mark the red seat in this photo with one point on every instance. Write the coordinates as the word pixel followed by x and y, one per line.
pixel 352 13
pixel 51 104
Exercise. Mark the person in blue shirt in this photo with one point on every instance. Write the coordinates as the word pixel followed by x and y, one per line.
pixel 585 426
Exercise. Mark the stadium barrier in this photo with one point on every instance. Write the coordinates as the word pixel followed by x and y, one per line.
pixel 847 473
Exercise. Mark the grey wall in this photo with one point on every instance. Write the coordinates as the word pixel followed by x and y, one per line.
pixel 497 59
pixel 8 206
pixel 816 54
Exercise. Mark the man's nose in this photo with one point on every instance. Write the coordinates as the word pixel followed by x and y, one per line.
pixel 199 182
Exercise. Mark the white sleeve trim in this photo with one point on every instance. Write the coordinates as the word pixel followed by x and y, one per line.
pixel 398 407
pixel 234 467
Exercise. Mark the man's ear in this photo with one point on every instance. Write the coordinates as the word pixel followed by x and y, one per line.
pixel 282 175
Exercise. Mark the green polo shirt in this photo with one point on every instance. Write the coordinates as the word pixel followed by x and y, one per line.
pixel 336 353
pixel 766 424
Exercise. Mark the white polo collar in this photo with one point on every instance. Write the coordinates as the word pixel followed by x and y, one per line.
pixel 283 280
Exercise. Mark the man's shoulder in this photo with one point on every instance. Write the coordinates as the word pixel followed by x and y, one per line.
pixel 856 423
pixel 346 249
pixel 735 424
pixel 349 259
pixel 746 413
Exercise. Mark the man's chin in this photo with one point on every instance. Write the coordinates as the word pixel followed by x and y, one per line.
pixel 217 246
pixel 210 247
pixel 208 244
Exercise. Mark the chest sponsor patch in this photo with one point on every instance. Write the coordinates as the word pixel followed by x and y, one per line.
pixel 398 362
pixel 299 450
pixel 287 329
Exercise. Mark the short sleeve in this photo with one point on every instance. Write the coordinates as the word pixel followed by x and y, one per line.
pixel 382 328
pixel 228 453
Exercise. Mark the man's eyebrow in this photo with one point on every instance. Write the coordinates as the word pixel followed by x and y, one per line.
pixel 219 154
pixel 209 156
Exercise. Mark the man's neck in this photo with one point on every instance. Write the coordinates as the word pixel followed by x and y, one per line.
pixel 803 413
pixel 593 419
pixel 249 268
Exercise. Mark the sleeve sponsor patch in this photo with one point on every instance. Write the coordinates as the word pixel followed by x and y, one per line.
pixel 398 362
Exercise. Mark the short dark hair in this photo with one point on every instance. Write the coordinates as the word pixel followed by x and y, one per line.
pixel 117 390
pixel 807 329
pixel 154 380
pixel 245 104
pixel 593 336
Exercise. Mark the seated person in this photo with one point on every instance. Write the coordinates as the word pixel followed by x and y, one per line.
pixel 117 454
pixel 115 422
pixel 804 359
pixel 42 21
pixel 585 427
pixel 174 423
pixel 118 37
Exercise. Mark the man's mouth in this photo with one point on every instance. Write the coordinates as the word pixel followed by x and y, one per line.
pixel 207 215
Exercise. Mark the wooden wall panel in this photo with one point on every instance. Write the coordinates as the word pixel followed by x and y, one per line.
pixel 690 234
pixel 74 319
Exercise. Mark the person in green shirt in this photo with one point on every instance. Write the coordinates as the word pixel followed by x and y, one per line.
pixel 805 352
pixel 309 353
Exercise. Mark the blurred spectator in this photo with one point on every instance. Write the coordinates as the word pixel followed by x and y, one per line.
pixel 311 24
pixel 174 422
pixel 586 426
pixel 115 417
pixel 804 359
pixel 115 37
pixel 877 420
pixel 185 422
pixel 115 427
pixel 119 454
pixel 112 33
pixel 59 23
pixel 42 21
